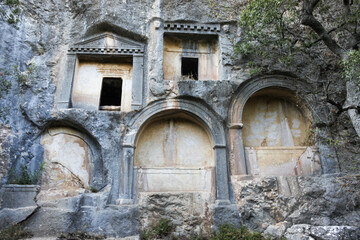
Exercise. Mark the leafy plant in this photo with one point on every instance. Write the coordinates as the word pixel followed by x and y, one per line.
pixel 24 176
pixel 159 229
pixel 309 139
pixel 351 66
pixel 229 232
pixel 14 232
pixel 10 11
pixel 80 236
pixel 5 84
pixel 25 77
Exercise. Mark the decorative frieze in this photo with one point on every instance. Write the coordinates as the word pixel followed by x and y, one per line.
pixel 121 51
pixel 194 28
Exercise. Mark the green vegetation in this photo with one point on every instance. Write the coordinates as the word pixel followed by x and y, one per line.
pixel 26 77
pixel 10 11
pixel 163 229
pixel 80 236
pixel 264 24
pixel 280 29
pixel 24 176
pixel 228 232
pixel 5 84
pixel 14 232
pixel 352 66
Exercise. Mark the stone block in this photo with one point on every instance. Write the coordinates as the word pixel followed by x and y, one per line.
pixel 304 231
pixel 12 216
pixel 18 196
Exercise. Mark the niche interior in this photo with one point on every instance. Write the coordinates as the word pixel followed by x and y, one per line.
pixel 277 134
pixel 103 72
pixel 103 83
pixel 174 153
pixel 191 57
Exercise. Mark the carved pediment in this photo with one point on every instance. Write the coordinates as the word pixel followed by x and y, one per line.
pixel 107 43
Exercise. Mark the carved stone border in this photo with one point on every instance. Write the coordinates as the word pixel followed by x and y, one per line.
pixel 85 47
pixel 235 112
pixel 116 51
pixel 194 28
pixel 212 122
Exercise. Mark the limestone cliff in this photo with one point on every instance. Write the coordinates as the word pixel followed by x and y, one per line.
pixel 192 137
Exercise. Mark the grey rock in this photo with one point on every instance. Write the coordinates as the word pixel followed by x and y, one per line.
pixel 353 99
pixel 49 221
pixel 18 196
pixel 226 214
pixel 5 142
pixel 304 231
pixel 116 221
pixel 276 230
pixel 188 212
pixel 10 216
pixel 45 32
pixel 318 201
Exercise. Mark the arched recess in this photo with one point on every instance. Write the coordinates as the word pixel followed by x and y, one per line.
pixel 277 86
pixel 158 109
pixel 73 162
pixel 174 153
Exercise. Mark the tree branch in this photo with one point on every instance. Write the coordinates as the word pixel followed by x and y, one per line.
pixel 309 20
pixel 340 108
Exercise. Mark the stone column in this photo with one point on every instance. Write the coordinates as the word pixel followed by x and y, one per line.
pixel 137 82
pixel 239 158
pixel 65 87
pixel 221 175
pixel 126 176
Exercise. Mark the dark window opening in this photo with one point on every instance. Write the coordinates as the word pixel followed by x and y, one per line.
pixel 110 98
pixel 190 68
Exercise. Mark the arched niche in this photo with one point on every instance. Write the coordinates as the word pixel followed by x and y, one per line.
pixel 269 127
pixel 174 153
pixel 195 115
pixel 73 163
pixel 274 117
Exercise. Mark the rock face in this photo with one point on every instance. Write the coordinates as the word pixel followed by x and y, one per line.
pixel 4 151
pixel 137 110
pixel 190 213
pixel 326 206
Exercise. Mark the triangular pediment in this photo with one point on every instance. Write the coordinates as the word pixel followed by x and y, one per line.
pixel 108 40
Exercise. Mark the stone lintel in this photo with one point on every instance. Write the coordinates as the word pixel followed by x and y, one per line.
pixel 194 28
pixel 98 50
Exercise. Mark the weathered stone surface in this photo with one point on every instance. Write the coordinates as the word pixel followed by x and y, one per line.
pixel 226 214
pixel 189 212
pixel 119 221
pixel 271 205
pixel 304 231
pixel 46 31
pixel 49 221
pixel 353 99
pixel 12 216
pixel 276 230
pixel 84 213
pixel 5 133
pixel 18 196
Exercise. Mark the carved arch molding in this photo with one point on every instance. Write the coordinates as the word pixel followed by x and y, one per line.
pixel 247 89
pixel 208 118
